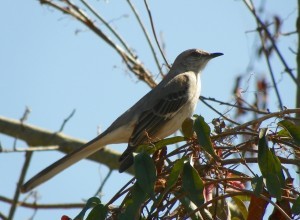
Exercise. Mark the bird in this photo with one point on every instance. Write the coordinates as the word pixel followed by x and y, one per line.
pixel 155 116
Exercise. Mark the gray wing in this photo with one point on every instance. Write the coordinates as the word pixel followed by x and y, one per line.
pixel 150 121
pixel 165 103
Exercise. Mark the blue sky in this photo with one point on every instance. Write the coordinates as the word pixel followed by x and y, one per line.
pixel 46 65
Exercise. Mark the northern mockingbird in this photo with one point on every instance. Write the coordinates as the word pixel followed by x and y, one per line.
pixel 155 116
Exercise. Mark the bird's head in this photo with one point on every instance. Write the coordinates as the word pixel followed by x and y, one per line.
pixel 193 60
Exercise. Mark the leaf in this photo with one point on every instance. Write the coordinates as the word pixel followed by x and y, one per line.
pixel 203 135
pixel 270 166
pixel 187 128
pixel 189 207
pixel 257 207
pixel 241 205
pixel 92 202
pixel 296 206
pixel 258 185
pixel 172 179
pixel 293 129
pixel 134 203
pixel 145 172
pixel 192 184
pixel 160 144
pixel 99 212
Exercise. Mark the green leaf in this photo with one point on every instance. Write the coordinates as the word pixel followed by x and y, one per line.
pixel 134 203
pixel 273 185
pixel 99 212
pixel 258 185
pixel 160 144
pixel 92 202
pixel 241 205
pixel 192 184
pixel 203 135
pixel 189 206
pixel 187 128
pixel 171 181
pixel 270 166
pixel 293 130
pixel 145 172
pixel 296 206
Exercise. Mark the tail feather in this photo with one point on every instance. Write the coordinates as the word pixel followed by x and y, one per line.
pixel 126 159
pixel 65 162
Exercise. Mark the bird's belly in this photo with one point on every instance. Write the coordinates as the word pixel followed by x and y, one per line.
pixel 175 123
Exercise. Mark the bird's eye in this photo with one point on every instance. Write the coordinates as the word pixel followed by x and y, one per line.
pixel 195 54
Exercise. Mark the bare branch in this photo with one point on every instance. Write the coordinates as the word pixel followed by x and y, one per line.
pixel 279 114
pixel 154 34
pixel 253 109
pixel 146 34
pixel 34 205
pixel 20 182
pixel 66 120
pixel 261 24
pixel 35 136
pixel 132 62
pixel 114 32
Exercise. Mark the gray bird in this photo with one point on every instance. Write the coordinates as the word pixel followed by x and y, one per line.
pixel 155 116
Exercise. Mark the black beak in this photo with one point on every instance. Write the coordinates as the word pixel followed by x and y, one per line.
pixel 213 55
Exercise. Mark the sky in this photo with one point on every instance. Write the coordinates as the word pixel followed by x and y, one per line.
pixel 53 64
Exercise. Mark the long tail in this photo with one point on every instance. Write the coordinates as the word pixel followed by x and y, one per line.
pixel 68 160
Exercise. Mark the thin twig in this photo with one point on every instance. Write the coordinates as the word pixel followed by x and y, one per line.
pixel 287 69
pixel 219 113
pixel 114 32
pixel 103 183
pixel 154 34
pixel 132 63
pixel 254 160
pixel 145 33
pixel 267 57
pixel 233 105
pixel 66 120
pixel 279 114
pixel 20 182
pixel 232 194
pixel 34 205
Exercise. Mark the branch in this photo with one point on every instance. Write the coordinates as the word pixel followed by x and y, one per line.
pixel 35 136
pixel 154 33
pixel 254 160
pixel 279 114
pixel 131 62
pixel 274 45
pixel 253 109
pixel 145 33
pixel 14 202
pixel 44 206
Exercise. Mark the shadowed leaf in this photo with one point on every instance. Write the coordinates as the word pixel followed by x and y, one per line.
pixel 192 184
pixel 145 172
pixel 172 179
pixel 293 130
pixel 187 128
pixel 92 202
pixel 99 212
pixel 160 144
pixel 296 206
pixel 203 135
pixel 270 166
pixel 133 203
pixel 241 205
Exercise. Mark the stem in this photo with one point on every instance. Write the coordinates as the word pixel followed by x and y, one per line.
pixel 298 64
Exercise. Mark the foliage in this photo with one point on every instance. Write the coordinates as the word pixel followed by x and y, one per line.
pixel 219 169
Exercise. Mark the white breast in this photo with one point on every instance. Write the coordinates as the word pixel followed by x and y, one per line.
pixel 186 111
